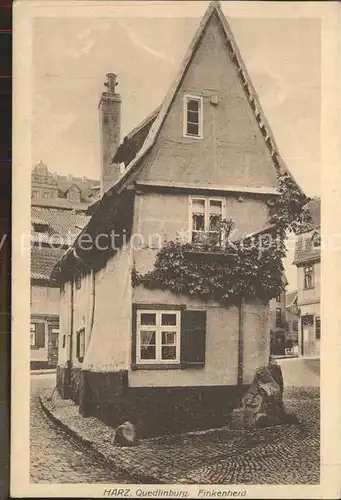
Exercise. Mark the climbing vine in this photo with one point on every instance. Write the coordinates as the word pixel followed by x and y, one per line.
pixel 229 269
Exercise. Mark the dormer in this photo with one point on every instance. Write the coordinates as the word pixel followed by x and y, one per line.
pixel 316 240
pixel 73 194
pixel 39 226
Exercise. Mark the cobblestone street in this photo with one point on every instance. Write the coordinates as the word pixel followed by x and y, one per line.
pixel 55 457
pixel 286 454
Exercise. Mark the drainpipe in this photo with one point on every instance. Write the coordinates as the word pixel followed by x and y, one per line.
pixel 71 335
pixel 84 391
pixel 241 342
pixel 93 296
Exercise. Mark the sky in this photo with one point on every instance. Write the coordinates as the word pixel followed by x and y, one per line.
pixel 72 56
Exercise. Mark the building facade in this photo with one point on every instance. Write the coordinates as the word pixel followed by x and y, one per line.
pixel 292 316
pixel 167 361
pixel 308 262
pixel 58 208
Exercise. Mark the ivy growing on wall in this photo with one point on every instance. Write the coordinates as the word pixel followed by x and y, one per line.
pixel 229 269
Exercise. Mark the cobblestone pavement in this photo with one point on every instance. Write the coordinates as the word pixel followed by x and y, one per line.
pixel 287 454
pixel 54 456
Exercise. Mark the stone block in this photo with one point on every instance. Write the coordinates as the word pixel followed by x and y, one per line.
pixel 125 435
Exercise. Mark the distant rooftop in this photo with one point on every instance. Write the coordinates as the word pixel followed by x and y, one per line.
pixel 61 191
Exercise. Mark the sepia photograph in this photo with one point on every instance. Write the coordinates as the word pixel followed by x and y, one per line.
pixel 173 251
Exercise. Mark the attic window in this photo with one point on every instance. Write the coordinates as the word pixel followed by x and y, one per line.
pixel 40 227
pixel 193 116
pixel 316 241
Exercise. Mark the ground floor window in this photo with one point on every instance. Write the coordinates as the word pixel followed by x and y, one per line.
pixel 80 347
pixel 37 335
pixel 164 336
pixel 158 336
pixel 318 328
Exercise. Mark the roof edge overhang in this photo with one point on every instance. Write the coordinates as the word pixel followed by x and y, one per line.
pixel 189 187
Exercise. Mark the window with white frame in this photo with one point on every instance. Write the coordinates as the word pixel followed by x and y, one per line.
pixel 309 277
pixel 80 345
pixel 206 218
pixel 33 334
pixel 316 241
pixel 193 116
pixel 158 337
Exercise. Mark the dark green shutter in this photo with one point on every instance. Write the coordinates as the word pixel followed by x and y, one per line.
pixel 78 345
pixel 40 334
pixel 193 338
pixel 133 331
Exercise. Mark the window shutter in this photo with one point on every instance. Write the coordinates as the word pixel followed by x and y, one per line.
pixel 133 329
pixel 78 345
pixel 40 334
pixel 193 338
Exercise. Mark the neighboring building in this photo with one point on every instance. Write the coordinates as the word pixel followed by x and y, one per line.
pixel 278 324
pixel 308 262
pixel 292 315
pixel 57 216
pixel 168 362
pixel 277 309
pixel 60 191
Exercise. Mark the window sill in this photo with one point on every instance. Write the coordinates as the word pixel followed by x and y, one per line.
pixel 155 366
pixel 179 366
pixel 193 136
pixel 35 348
pixel 309 288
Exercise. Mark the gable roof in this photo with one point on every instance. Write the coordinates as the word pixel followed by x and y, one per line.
pixel 62 227
pixel 133 142
pixel 43 260
pixel 291 298
pixel 305 251
pixel 214 8
pixel 61 222
pixel 136 148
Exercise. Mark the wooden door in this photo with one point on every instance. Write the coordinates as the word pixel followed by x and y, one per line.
pixel 308 336
pixel 53 332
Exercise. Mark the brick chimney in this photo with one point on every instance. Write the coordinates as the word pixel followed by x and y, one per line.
pixel 110 130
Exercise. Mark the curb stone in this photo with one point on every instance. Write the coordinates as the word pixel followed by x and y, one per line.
pixel 52 371
pixel 147 463
pixel 138 477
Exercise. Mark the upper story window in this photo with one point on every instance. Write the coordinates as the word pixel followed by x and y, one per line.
pixel 158 336
pixel 309 277
pixel 193 116
pixel 316 241
pixel 46 194
pixel 34 194
pixel 206 218
pixel 73 196
pixel 278 298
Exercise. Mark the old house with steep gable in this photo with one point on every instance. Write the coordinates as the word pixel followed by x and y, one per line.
pixel 170 361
